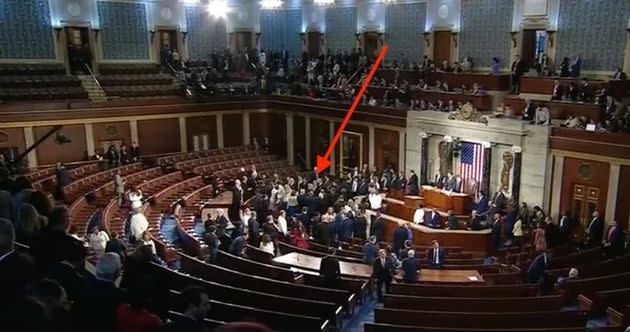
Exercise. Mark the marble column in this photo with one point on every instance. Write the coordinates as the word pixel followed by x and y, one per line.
pixel 611 197
pixel 556 186
pixel 516 172
pixel 133 130
pixel 424 158
pixel 371 145
pixel 487 169
pixel 220 131
pixel 307 141
pixel 89 138
pixel 401 150
pixel 331 134
pixel 290 139
pixel 246 129
pixel 29 139
pixel 183 139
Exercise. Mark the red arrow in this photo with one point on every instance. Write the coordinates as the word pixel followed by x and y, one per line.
pixel 323 162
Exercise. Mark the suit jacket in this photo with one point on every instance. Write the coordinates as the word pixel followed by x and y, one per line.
pixel 271 229
pixel 451 184
pixel 537 267
pixel 370 253
pixel 100 306
pixel 431 257
pixel 385 272
pixel 363 188
pixel 400 236
pixel 16 272
pixel 434 219
pixel 323 233
pixel 565 224
pixel 253 229
pixel 452 222
pixel 378 229
pixel 236 248
pixel 596 229
pixel 329 268
pixel 557 93
pixel 615 237
pixel 410 267
pixel 412 185
pixel 530 111
pixel 499 201
pixel 360 227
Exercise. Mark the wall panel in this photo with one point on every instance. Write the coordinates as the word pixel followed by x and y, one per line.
pixel 319 137
pixel 299 140
pixel 622 212
pixel 158 136
pixel 386 148
pixel 280 29
pixel 205 33
pixel 12 138
pixel 124 32
pixel 111 131
pixel 233 129
pixel 49 152
pixel 404 25
pixel 341 25
pixel 273 126
pixel 202 125
pixel 25 31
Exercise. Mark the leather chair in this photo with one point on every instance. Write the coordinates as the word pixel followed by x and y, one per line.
pixel 458 184
pixel 472 188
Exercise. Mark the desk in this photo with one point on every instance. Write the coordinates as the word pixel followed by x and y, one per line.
pixel 480 102
pixel 302 262
pixel 444 201
pixel 557 109
pixel 451 277
pixel 544 85
pixel 485 80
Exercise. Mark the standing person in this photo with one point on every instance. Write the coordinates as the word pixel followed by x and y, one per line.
pixel 135 152
pixel 516 73
pixel 98 241
pixel 412 184
pixel 400 236
pixel 538 266
pixel 540 241
pixel 135 197
pixel 378 228
pixel 370 251
pixel 119 185
pixel 383 271
pixel 329 268
pixel 410 268
pixel 212 241
pixel 435 256
pixel 595 230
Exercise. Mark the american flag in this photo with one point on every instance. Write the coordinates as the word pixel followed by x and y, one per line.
pixel 471 157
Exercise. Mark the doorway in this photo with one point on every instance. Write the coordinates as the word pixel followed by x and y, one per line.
pixel 584 203
pixel 351 146
pixel 79 51
pixel 441 47
pixel 533 47
pixel 371 44
pixel 313 41
pixel 168 38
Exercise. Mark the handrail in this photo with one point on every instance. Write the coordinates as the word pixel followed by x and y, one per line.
pixel 94 78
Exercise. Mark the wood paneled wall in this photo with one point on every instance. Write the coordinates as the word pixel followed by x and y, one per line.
pixel 320 132
pixel 202 125
pixel 108 131
pixel 12 138
pixel 575 172
pixel 49 152
pixel 158 136
pixel 299 140
pixel 271 125
pixel 386 148
pixel 622 212
pixel 233 129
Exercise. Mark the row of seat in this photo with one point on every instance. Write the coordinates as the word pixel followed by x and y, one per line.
pixel 171 159
pixel 32 69
pixel 142 90
pixel 139 79
pixel 32 81
pixel 245 158
pixel 44 93
pixel 128 68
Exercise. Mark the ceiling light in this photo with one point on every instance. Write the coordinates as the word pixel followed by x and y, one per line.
pixel 267 4
pixel 324 2
pixel 218 8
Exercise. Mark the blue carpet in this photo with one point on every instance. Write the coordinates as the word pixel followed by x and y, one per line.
pixel 169 232
pixel 362 314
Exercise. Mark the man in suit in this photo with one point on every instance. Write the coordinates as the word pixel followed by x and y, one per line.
pixel 400 236
pixel 118 246
pixel 104 296
pixel 499 201
pixel 329 269
pixel 565 225
pixel 496 230
pixel 383 271
pixel 595 230
pixel 253 228
pixel 196 306
pixel 16 270
pixel 271 228
pixel 517 69
pixel 212 241
pixel 237 200
pixel 378 228
pixel 412 184
pixel 410 268
pixel 475 221
pixel 119 185
pixel 451 183
pixel 609 108
pixel 538 266
pixel 370 251
pixel 323 232
pixel 237 247
pixel 586 95
pixel 135 151
pixel 556 93
pixel 364 187
pixel 615 239
pixel 529 111
pixel 452 222
pixel 434 218
pixel 435 256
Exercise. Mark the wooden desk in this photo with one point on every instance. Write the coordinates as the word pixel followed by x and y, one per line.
pixel 303 262
pixel 451 277
pixel 478 101
pixel 389 74
pixel 444 201
pixel 485 80
pixel 544 84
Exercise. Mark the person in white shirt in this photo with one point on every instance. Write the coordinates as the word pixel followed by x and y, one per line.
pixel 135 197
pixel 146 240
pixel 282 222
pixel 376 200
pixel 138 225
pixel 245 216
pixel 98 240
pixel 418 216
pixel 266 245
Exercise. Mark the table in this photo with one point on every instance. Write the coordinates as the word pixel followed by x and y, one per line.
pixel 444 200
pixel 302 262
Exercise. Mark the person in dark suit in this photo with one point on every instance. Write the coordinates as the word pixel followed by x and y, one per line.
pixel 196 305
pixel 237 200
pixel 323 232
pixel 237 247
pixel 412 184
pixel 16 270
pixel 378 228
pixel 529 111
pixel 253 228
pixel 370 251
pixel 410 268
pixel 565 226
pixel 212 241
pixel 451 183
pixel 360 226
pixel 475 221
pixel 383 271
pixel 330 270
pixel 615 239
pixel 586 93
pixel 452 222
pixel 135 151
pixel 595 230
pixel 271 228
pixel 557 92
pixel 116 245
pixel 538 266
pixel 434 218
pixel 401 235
pixel 572 92
pixel 517 70
pixel 435 256
pixel 496 230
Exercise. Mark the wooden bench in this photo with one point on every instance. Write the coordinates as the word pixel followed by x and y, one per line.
pixel 275 305
pixel 373 327
pixel 228 277
pixel 619 316
pixel 465 291
pixel 588 286
pixel 286 248
pixel 531 319
pixel 597 302
pixel 596 269
pixel 475 304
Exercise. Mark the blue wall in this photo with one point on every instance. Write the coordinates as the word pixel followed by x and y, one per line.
pixel 485 31
pixel 341 25
pixel 594 29
pixel 124 33
pixel 205 33
pixel 404 25
pixel 281 27
pixel 25 31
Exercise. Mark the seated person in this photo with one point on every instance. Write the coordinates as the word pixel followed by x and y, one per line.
pixel 475 221
pixel 542 116
pixel 572 92
pixel 457 67
pixel 557 91
pixel 434 218
pixel 445 67
pixel 571 122
pixel 529 111
pixel 619 75
pixel 586 94
pixel 477 90
pixel 451 106
pixel 445 87
pixel 452 222
pixel 466 64
pixel 451 183
pixel 418 215
pixel 440 106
